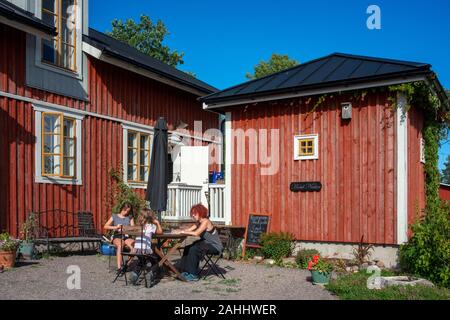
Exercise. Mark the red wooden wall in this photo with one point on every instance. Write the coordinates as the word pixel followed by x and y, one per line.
pixel 356 166
pixel 444 192
pixel 416 173
pixel 113 92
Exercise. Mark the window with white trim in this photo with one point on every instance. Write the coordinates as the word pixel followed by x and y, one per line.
pixel 306 147
pixel 137 147
pixel 60 51
pixel 58 146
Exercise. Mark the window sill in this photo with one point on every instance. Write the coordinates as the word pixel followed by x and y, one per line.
pixel 60 70
pixel 307 158
pixel 135 185
pixel 60 181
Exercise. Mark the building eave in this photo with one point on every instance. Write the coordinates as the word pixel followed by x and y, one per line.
pixel 302 92
pixel 18 18
pixel 27 28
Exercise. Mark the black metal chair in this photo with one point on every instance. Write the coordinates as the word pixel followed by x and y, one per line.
pixel 211 261
pixel 145 268
pixel 122 272
pixel 210 265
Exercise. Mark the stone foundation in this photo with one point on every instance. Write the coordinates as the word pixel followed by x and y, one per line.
pixel 61 248
pixel 388 255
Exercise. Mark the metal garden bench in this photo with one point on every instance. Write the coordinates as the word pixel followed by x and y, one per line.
pixel 61 226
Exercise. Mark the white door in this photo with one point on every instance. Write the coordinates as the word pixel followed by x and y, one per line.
pixel 194 164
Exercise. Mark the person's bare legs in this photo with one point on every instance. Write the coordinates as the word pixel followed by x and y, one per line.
pixel 129 243
pixel 118 243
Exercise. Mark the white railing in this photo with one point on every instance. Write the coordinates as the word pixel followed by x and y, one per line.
pixel 181 198
pixel 217 202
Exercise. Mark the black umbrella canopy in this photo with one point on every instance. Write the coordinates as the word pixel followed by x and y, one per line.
pixel 159 169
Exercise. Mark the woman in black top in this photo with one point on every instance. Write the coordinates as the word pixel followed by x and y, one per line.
pixel 209 242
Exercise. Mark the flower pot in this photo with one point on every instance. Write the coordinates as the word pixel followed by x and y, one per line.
pixel 7 259
pixel 320 277
pixel 27 249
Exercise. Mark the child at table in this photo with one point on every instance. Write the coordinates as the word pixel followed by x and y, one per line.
pixel 143 245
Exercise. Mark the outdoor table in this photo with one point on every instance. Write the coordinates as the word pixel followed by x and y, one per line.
pixel 181 240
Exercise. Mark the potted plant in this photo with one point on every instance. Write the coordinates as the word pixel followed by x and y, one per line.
pixel 8 249
pixel 320 270
pixel 28 236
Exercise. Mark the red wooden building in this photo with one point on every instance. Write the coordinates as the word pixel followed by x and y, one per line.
pixel 326 124
pixel 444 192
pixel 75 103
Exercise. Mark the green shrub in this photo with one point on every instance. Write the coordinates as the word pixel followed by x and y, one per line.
pixel 427 254
pixel 322 266
pixel 250 253
pixel 303 256
pixel 277 245
pixel 118 193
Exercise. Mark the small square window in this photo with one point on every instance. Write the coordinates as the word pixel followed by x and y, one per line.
pixel 306 147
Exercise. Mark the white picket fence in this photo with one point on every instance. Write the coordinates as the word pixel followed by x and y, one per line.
pixel 181 198
pixel 217 202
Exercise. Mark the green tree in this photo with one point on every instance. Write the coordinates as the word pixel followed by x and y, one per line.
pixel 446 171
pixel 276 63
pixel 146 37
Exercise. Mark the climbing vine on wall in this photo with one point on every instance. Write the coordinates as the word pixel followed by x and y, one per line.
pixel 427 253
pixel 436 124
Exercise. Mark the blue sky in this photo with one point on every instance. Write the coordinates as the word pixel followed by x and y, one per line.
pixel 222 40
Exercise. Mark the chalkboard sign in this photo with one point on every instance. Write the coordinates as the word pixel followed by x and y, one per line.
pixel 305 186
pixel 256 226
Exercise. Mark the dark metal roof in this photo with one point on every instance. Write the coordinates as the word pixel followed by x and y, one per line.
pixel 123 51
pixel 13 12
pixel 334 69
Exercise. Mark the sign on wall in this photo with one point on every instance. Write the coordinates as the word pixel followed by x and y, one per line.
pixel 310 186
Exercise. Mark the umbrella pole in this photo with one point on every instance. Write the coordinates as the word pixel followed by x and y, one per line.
pixel 160 221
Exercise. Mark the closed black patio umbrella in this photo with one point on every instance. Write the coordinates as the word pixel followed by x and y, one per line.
pixel 158 180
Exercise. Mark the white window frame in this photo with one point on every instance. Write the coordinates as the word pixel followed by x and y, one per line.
pixel 297 139
pixel 38 177
pixel 78 44
pixel 139 129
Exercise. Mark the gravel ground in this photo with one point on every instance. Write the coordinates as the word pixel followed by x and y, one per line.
pixel 47 279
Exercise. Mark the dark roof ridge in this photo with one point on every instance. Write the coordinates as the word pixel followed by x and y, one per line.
pixel 376 59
